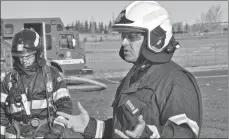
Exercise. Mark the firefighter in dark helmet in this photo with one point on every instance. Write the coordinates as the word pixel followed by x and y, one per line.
pixel 157 98
pixel 32 92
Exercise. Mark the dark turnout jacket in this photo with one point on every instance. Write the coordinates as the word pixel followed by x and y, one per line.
pixel 42 90
pixel 166 95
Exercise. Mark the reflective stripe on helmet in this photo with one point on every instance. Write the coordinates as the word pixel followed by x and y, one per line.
pixel 3 97
pixel 60 93
pixel 36 104
pixel 183 119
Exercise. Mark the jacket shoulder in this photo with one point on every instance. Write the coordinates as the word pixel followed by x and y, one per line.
pixel 50 69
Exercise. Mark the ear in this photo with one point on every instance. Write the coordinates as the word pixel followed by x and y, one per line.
pixel 121 52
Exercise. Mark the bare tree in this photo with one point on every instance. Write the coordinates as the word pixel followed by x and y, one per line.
pixel 214 14
pixel 213 17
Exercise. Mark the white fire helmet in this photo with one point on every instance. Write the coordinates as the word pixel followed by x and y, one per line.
pixel 149 17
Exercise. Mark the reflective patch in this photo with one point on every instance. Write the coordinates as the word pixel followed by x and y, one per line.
pixel 56 122
pixel 71 61
pixel 36 104
pixel 59 79
pixel 3 97
pixel 49 86
pixel 26 104
pixel 3 75
pixel 62 92
pixel 155 132
pixel 9 85
pixel 20 47
pixel 36 42
pixel 3 129
pixel 120 16
pixel 182 119
pixel 131 107
pixel 99 129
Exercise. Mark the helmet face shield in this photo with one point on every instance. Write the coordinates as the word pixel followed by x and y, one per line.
pixel 131 36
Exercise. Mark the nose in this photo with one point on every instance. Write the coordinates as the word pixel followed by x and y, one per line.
pixel 125 42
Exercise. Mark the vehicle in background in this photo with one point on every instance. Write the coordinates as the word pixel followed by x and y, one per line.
pixel 63 47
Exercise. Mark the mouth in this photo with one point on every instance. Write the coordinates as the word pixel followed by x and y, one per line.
pixel 126 50
pixel 25 64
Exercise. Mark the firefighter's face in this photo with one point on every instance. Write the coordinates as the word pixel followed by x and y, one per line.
pixel 27 60
pixel 131 43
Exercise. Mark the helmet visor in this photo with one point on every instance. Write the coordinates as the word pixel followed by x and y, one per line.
pixel 120 29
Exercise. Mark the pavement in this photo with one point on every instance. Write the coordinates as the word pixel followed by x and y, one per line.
pixel 191 69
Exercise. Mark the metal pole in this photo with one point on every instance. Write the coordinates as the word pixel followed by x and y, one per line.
pixel 215 54
pixel 44 40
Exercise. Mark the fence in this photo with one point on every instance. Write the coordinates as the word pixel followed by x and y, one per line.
pixel 107 60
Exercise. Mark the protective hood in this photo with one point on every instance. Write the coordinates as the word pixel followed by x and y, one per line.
pixel 161 57
pixel 30 69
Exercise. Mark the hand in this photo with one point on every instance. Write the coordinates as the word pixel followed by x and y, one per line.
pixel 136 133
pixel 77 123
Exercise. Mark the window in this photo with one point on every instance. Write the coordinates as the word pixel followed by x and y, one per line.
pixel 59 27
pixel 66 41
pixel 48 42
pixel 47 28
pixel 9 29
pixel 53 22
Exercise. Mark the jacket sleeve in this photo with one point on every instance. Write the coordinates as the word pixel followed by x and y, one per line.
pixel 180 111
pixel 4 94
pixel 61 98
pixel 98 129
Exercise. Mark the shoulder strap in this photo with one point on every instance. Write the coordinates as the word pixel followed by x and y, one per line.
pixel 48 79
pixel 46 71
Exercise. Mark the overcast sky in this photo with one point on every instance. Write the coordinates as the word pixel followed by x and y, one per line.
pixel 70 11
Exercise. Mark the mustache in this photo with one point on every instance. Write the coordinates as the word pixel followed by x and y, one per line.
pixel 126 48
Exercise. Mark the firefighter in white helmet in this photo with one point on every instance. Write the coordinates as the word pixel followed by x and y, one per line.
pixel 32 92
pixel 157 98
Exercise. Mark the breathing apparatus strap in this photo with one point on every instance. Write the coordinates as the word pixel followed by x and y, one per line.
pixel 12 83
pixel 48 88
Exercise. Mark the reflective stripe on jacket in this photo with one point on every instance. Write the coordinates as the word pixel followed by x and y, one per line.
pixel 58 99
